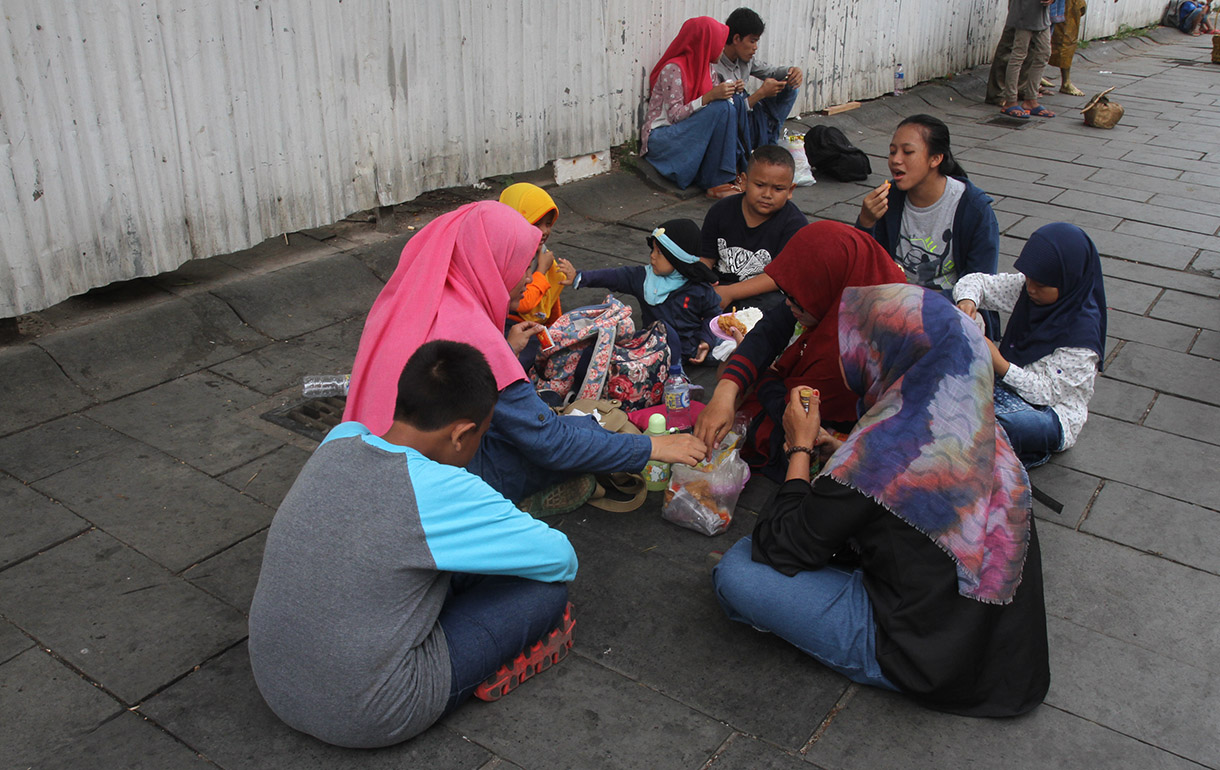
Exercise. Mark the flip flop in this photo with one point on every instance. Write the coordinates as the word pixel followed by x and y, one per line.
pixel 1041 112
pixel 1015 111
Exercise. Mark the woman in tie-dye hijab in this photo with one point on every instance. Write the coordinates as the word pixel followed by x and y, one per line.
pixel 911 562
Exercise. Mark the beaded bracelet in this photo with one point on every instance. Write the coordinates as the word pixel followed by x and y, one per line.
pixel 793 450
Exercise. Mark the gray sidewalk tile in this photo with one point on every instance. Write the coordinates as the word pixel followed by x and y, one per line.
pixel 1136 692
pixel 194 419
pixel 917 737
pixel 304 297
pixel 647 220
pixel 218 712
pixel 1162 334
pixel 1156 276
pixel 1086 220
pixel 337 343
pixel 12 642
pixel 126 741
pixel 1127 167
pixel 232 575
pixel 121 355
pixel 1167 371
pixel 1125 594
pixel 1161 462
pixel 1120 400
pixel 1204 179
pixel 1169 187
pixel 746 753
pixel 1189 309
pixel 1198 205
pixel 1157 524
pixel 125 493
pixel 381 258
pixel 50 448
pixel 30 522
pixel 995 185
pixel 279 252
pixel 625 725
pixel 1141 249
pixel 273 368
pixel 1161 216
pixel 615 583
pixel 118 617
pixel 45 704
pixel 34 389
pixel 1208 262
pixel 614 240
pixel 268 478
pixel 1191 237
pixel 1207 345
pixel 1129 296
pixel 610 198
pixel 1072 488
pixel 1186 418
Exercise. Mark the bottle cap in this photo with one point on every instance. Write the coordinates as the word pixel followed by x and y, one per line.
pixel 656 424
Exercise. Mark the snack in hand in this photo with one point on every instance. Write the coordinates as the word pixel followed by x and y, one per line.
pixel 730 322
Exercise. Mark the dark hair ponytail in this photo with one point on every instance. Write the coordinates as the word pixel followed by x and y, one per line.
pixel 936 136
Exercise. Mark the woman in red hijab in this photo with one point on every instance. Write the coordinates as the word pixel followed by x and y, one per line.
pixel 800 337
pixel 690 129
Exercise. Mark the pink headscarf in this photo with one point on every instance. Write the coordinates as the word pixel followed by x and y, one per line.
pixel 452 283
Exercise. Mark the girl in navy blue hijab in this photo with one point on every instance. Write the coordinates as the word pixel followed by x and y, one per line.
pixel 1055 341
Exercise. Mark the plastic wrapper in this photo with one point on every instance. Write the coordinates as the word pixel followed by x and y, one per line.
pixel 795 144
pixel 703 498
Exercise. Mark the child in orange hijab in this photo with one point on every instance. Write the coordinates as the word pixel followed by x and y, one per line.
pixel 541 301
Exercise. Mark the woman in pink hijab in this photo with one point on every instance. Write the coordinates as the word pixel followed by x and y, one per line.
pixel 455 280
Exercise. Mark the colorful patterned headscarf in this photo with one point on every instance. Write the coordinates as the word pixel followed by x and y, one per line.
pixel 927 446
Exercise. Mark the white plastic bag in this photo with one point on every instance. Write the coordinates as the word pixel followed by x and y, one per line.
pixel 796 145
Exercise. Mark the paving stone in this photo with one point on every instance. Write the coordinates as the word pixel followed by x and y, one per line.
pixel 1207 345
pixel 1163 334
pixel 994 185
pixel 1205 179
pixel 615 582
pixel 121 355
pixel 1129 296
pixel 278 252
pixel 49 448
pixel 746 753
pixel 626 725
pixel 609 197
pixel 1174 187
pixel 1127 167
pixel 615 240
pixel 45 704
pixel 1141 249
pixel 196 276
pixel 827 192
pixel 919 737
pixel 1186 418
pixel 126 741
pixel 381 258
pixel 1193 239
pixel 840 212
pixel 1137 692
pixel 268 478
pixel 30 522
pixel 301 298
pixel 1170 279
pixel 1167 371
pixel 695 208
pixel 1139 212
pixel 12 642
pixel 168 511
pixel 218 712
pixel 1131 596
pixel 1184 161
pixel 337 342
pixel 34 389
pixel 1073 489
pixel 192 418
pixel 1208 262
pixel 273 368
pixel 1120 400
pixel 118 617
pixel 1151 459
pixel 1157 524
pixel 1189 309
pixel 232 575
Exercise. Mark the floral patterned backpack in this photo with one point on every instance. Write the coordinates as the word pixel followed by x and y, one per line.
pixel 625 366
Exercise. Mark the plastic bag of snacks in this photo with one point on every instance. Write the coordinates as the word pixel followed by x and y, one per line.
pixel 702 498
pixel 795 144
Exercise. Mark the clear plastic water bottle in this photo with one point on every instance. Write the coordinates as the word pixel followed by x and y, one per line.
pixel 899 80
pixel 326 385
pixel 677 399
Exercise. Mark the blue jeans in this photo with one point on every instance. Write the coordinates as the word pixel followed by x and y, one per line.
pixel 825 613
pixel 1033 431
pixel 702 149
pixel 763 124
pixel 489 619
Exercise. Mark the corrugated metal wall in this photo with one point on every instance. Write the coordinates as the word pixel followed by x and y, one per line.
pixel 135 136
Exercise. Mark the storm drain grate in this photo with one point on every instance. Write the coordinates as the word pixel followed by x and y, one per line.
pixel 1005 121
pixel 312 417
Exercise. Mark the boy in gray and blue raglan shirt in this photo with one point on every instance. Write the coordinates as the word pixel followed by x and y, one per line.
pixel 394 583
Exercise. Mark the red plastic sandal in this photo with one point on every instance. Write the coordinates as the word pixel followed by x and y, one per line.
pixel 540 656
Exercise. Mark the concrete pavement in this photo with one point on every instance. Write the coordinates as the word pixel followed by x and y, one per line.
pixel 138 479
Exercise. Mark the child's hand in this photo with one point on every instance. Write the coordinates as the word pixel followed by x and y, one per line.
pixel 700 353
pixel 725 294
pixel 723 91
pixel 826 444
pixel 968 307
pixel 998 363
pixel 795 77
pixel 801 427
pixel 569 272
pixel 546 258
pixel 875 205
pixel 519 335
